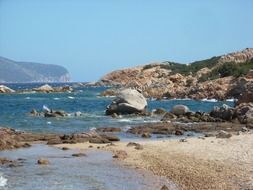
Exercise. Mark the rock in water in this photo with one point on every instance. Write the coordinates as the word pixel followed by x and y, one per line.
pixel 45 88
pixel 5 89
pixel 43 161
pixel 128 101
pixel 180 110
pixel 78 155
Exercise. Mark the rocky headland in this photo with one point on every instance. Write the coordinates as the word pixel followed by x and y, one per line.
pixel 31 72
pixel 220 77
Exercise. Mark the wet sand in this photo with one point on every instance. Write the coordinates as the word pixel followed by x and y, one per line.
pixel 208 163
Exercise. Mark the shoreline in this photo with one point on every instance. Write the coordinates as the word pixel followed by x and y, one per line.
pixel 208 163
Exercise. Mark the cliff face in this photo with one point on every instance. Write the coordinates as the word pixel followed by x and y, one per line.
pixel 12 71
pixel 210 78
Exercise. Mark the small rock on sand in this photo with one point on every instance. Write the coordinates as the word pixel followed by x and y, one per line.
pixel 223 134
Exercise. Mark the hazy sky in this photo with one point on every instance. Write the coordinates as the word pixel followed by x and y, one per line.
pixel 93 37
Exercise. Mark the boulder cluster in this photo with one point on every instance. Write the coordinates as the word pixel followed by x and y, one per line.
pixel 42 89
pixel 10 138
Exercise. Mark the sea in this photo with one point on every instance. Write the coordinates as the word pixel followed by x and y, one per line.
pixel 97 170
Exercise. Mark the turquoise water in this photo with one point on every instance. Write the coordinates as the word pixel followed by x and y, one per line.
pixel 96 171
pixel 15 108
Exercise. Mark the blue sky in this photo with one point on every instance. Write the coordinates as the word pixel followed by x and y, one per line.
pixel 93 37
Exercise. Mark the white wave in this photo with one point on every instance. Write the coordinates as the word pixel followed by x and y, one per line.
pixel 151 121
pixel 28 98
pixel 56 98
pixel 49 122
pixel 71 97
pixel 3 181
pixel 182 99
pixel 230 100
pixel 93 129
pixel 125 120
pixel 209 100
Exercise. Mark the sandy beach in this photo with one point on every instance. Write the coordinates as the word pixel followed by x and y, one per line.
pixel 198 163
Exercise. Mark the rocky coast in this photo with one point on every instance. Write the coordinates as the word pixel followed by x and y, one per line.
pixel 193 149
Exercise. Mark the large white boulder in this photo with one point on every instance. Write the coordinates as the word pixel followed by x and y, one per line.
pixel 128 101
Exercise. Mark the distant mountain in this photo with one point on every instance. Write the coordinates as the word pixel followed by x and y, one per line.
pixel 13 71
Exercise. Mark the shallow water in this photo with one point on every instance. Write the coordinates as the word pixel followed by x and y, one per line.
pixel 95 171
pixel 14 110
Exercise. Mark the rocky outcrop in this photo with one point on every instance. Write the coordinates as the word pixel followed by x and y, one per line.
pixel 5 89
pixel 172 80
pixel 47 89
pixel 165 129
pixel 127 102
pixel 244 113
pixel 10 138
pixel 225 113
pixel 246 94
pixel 237 57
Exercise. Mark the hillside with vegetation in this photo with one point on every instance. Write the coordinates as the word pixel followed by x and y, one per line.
pixel 209 78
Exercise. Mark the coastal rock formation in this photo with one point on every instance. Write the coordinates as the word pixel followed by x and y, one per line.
pixel 246 93
pixel 212 78
pixel 244 113
pixel 47 89
pixel 237 57
pixel 127 102
pixel 225 113
pixel 11 139
pixel 31 72
pixel 208 128
pixel 5 89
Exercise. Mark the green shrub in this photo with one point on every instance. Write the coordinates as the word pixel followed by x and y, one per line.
pixel 228 69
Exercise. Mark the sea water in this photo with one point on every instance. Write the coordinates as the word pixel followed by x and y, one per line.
pixel 15 108
pixel 96 171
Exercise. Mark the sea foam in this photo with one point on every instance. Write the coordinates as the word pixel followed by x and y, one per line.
pixel 209 100
pixel 3 181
